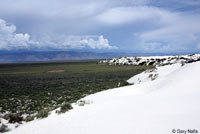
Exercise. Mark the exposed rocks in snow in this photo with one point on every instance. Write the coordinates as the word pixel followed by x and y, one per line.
pixel 153 60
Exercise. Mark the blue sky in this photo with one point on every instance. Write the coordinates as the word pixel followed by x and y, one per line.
pixel 100 25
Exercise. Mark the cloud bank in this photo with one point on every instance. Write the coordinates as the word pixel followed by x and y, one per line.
pixel 10 40
pixel 76 42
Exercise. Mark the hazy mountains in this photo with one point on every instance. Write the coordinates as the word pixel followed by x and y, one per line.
pixel 35 56
pixel 41 56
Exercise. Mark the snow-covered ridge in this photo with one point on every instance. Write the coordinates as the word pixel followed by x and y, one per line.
pixel 153 60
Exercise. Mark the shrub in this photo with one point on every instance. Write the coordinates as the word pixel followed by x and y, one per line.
pixel 64 108
pixel 125 83
pixel 150 76
pixel 16 126
pixel 29 118
pixel 13 118
pixel 43 113
pixel 4 128
pixel 153 76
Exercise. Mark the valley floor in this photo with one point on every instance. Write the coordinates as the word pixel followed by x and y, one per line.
pixel 166 104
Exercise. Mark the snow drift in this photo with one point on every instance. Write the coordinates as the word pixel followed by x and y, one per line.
pixel 171 101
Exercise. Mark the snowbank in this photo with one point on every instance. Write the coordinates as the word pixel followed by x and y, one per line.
pixel 171 101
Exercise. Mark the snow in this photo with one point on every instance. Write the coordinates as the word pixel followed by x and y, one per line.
pixel 171 101
pixel 158 72
pixel 9 125
pixel 153 60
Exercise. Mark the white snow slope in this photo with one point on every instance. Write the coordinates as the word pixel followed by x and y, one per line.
pixel 152 107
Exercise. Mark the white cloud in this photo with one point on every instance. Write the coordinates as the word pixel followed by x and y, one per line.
pixel 10 40
pixel 123 15
pixel 77 42
pixel 180 34
pixel 100 43
pixel 56 9
pixel 162 29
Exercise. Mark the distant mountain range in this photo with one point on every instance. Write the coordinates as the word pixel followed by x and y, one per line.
pixel 45 56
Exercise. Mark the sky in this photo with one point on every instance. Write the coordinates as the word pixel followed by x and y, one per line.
pixel 100 25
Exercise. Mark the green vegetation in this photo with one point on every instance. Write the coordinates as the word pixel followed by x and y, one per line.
pixel 43 113
pixel 64 108
pixel 13 117
pixel 153 76
pixel 3 128
pixel 29 118
pixel 29 88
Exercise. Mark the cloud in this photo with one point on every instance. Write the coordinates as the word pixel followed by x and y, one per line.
pixel 100 43
pixel 77 42
pixel 182 32
pixel 10 40
pixel 123 15
pixel 198 46
pixel 152 46
pixel 154 25
pixel 60 15
pixel 161 29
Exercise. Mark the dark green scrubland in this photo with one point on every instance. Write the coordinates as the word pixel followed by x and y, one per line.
pixel 29 88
